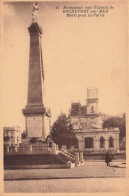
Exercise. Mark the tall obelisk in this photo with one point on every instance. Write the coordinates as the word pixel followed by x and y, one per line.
pixel 36 115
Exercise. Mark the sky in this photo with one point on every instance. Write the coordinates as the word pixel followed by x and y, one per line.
pixel 77 53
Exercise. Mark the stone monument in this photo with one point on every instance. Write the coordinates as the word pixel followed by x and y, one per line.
pixel 37 117
pixel 42 152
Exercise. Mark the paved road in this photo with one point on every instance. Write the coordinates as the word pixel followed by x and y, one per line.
pixel 88 170
pixel 66 185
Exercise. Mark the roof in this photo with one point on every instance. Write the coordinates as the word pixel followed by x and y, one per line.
pixel 15 128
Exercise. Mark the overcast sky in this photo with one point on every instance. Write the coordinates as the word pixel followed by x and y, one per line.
pixel 77 52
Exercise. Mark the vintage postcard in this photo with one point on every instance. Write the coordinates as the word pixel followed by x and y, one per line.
pixel 64 82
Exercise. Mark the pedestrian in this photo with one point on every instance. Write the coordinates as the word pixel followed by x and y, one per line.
pixel 107 159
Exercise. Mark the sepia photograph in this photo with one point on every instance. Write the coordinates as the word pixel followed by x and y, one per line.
pixel 64 96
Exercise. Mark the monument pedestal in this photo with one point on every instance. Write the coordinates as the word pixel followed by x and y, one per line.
pixel 37 123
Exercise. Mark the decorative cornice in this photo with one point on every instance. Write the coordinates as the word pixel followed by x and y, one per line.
pixel 92 100
pixel 85 116
pixel 28 111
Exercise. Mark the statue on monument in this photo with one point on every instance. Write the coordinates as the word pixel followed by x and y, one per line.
pixel 35 12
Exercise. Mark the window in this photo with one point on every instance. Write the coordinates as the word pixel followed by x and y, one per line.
pixel 92 109
pixel 102 142
pixel 89 142
pixel 11 134
pixel 11 143
pixel 110 142
pixel 76 143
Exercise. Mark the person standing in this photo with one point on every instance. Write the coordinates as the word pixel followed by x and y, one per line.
pixel 107 158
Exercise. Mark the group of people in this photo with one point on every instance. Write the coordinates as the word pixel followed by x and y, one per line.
pixel 108 158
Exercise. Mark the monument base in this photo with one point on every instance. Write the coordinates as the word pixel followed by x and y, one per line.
pixel 36 156
pixel 37 148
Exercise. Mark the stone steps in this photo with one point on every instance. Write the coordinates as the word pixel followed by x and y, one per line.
pixel 66 157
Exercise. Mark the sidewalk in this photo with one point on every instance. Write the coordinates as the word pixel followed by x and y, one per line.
pixel 88 170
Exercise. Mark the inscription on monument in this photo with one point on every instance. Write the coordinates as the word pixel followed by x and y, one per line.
pixel 34 126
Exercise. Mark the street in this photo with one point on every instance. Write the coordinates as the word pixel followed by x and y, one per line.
pixel 66 185
pixel 90 177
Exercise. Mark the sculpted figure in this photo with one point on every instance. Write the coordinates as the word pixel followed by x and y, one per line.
pixel 35 13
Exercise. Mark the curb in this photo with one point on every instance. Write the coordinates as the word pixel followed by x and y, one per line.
pixel 51 178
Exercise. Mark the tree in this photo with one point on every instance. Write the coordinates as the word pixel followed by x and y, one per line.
pixel 117 122
pixel 62 131
pixel 123 126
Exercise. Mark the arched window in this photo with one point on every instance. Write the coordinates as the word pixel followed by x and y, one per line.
pixel 11 143
pixel 110 142
pixel 92 109
pixel 88 142
pixel 76 143
pixel 102 142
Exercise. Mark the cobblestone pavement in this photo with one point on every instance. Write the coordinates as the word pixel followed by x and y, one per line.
pixel 66 185
pixel 88 170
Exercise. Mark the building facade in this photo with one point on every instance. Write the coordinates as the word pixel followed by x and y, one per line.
pixel 88 127
pixel 12 136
